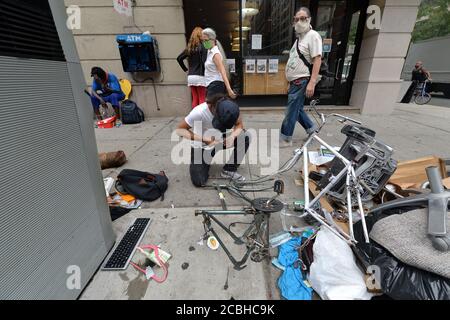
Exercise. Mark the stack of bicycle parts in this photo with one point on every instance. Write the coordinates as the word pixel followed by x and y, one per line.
pixel 359 171
pixel 373 160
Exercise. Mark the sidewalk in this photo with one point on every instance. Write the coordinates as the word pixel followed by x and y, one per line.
pixel 413 131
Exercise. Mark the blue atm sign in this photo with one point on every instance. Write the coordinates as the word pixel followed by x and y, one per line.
pixel 134 38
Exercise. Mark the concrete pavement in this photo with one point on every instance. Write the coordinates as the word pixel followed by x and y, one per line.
pixel 413 131
pixel 440 100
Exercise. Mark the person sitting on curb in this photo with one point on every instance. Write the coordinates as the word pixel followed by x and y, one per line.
pixel 206 126
pixel 105 88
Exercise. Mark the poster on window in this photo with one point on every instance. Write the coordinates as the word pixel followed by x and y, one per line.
pixel 231 65
pixel 261 66
pixel 273 65
pixel 250 66
pixel 327 44
pixel 256 41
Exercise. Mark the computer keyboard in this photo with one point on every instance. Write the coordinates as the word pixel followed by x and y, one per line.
pixel 124 251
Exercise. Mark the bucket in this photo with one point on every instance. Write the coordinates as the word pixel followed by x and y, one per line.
pixel 108 123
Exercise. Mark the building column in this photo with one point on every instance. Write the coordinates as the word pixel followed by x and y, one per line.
pixel 377 82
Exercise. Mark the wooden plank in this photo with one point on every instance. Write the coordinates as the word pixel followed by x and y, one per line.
pixel 410 173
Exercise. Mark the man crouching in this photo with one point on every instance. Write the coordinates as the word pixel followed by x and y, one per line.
pixel 213 126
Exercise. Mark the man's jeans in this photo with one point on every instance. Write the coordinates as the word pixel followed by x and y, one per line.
pixel 295 111
pixel 201 159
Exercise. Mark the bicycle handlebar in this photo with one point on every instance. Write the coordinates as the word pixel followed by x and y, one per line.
pixel 344 118
pixel 323 117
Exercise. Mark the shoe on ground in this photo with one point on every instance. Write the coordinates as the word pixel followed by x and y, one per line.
pixel 118 123
pixel 232 175
pixel 285 144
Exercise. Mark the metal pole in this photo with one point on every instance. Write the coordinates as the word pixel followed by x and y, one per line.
pixel 361 209
pixel 349 203
pixel 305 176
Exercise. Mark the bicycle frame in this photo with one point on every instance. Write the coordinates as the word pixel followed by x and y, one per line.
pixel 352 183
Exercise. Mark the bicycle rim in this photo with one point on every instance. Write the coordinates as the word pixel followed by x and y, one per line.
pixel 421 100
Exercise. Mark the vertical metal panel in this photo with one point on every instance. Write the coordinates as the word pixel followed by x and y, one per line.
pixel 48 217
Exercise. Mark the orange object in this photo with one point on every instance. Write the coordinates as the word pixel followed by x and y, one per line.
pixel 107 123
pixel 127 197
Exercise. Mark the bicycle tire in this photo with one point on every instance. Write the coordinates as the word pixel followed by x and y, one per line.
pixel 423 99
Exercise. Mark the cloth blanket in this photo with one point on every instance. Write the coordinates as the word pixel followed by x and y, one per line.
pixel 406 237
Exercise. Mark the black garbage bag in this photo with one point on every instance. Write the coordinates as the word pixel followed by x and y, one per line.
pixel 398 280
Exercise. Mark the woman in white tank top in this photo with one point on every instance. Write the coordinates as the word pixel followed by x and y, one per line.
pixel 215 73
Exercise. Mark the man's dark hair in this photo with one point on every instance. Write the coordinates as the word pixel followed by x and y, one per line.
pixel 99 72
pixel 305 9
pixel 214 99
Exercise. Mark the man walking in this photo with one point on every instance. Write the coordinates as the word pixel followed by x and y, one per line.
pixel 302 72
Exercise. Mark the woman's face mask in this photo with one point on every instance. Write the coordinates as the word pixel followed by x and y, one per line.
pixel 208 44
pixel 303 26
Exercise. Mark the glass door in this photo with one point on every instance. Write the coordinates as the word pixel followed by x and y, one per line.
pixel 340 23
pixel 346 70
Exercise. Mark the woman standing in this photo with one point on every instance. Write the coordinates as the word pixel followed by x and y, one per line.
pixel 215 73
pixel 196 55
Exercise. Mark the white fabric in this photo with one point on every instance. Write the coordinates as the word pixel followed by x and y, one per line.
pixel 196 81
pixel 211 72
pixel 200 120
pixel 310 45
pixel 334 274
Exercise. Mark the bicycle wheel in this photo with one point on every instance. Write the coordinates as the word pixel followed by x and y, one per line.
pixel 423 99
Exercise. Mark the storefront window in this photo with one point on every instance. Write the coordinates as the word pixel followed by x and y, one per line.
pixel 257 36
pixel 266 41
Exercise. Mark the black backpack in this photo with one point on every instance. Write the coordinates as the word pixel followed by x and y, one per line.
pixel 131 113
pixel 142 185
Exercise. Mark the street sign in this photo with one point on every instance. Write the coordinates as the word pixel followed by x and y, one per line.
pixel 123 7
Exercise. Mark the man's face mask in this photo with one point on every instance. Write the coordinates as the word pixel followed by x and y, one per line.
pixel 302 26
pixel 208 44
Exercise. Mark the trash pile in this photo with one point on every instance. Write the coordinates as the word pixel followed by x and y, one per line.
pixel 406 211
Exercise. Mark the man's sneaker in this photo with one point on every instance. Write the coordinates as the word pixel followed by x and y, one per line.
pixel 232 175
pixel 118 123
pixel 285 144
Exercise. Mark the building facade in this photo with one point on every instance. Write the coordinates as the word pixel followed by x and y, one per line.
pixel 364 49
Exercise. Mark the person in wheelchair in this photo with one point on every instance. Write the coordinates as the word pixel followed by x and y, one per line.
pixel 419 78
pixel 105 88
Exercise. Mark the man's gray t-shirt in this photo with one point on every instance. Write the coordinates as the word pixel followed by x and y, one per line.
pixel 310 45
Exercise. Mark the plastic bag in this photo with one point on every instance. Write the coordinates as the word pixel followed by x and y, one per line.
pixel 398 280
pixel 334 274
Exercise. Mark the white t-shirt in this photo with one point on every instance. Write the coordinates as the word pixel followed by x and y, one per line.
pixel 310 45
pixel 200 120
pixel 211 72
